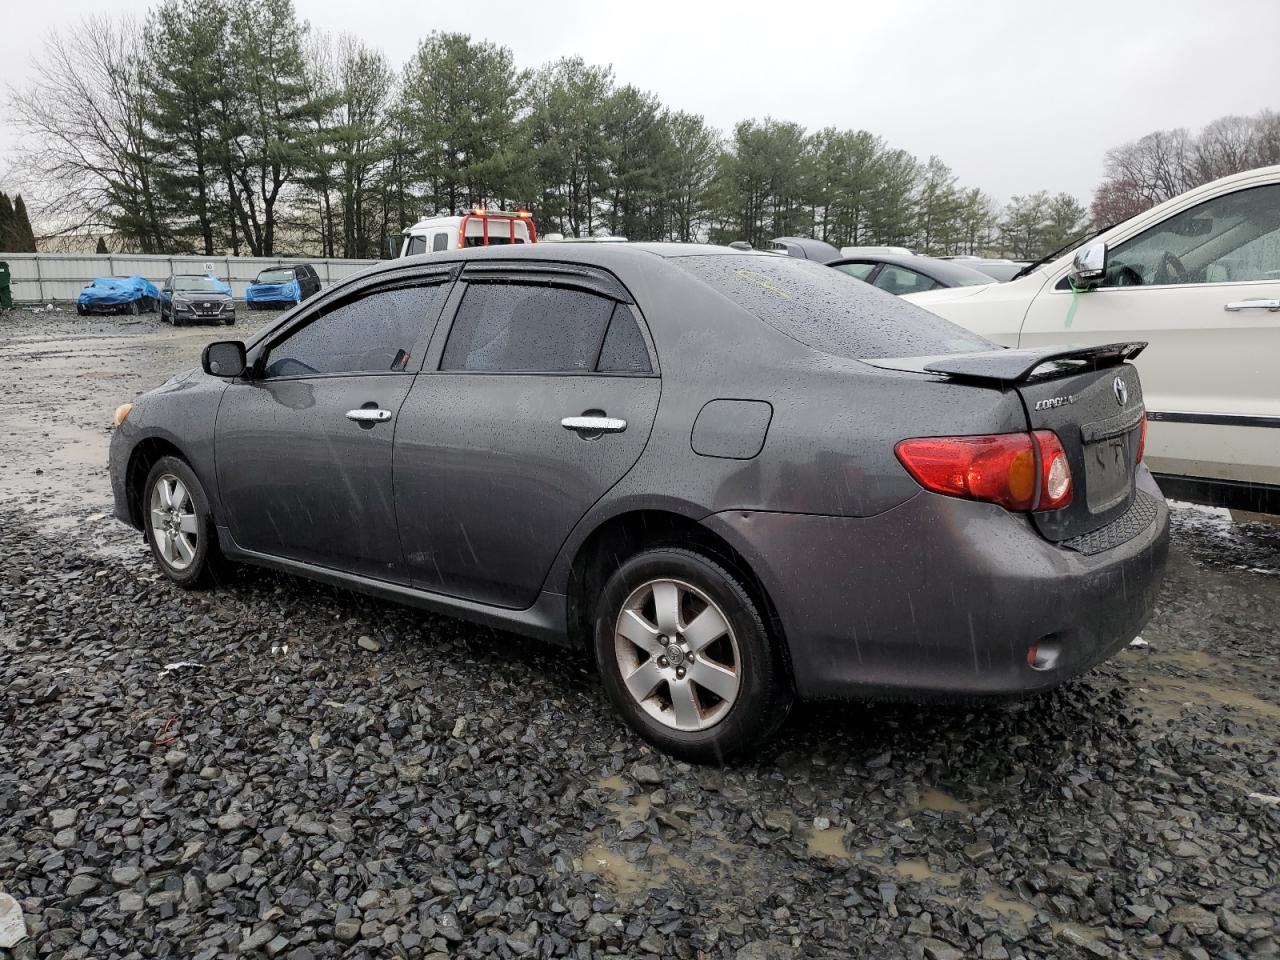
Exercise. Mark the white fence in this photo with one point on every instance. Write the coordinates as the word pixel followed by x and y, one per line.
pixel 43 277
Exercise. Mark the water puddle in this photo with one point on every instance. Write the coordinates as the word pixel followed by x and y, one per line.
pixel 1165 698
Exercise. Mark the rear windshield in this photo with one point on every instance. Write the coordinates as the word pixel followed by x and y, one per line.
pixel 275 276
pixel 205 284
pixel 829 310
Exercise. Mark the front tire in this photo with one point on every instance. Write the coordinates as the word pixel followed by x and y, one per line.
pixel 686 658
pixel 179 525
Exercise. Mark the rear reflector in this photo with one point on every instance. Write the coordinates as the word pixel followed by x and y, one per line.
pixel 1142 439
pixel 996 468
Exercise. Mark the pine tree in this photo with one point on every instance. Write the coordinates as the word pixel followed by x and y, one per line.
pixel 24 238
pixel 184 38
pixel 102 247
pixel 6 224
pixel 459 106
pixel 273 117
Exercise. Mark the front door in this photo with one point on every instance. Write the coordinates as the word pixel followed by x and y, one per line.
pixel 304 450
pixel 1203 286
pixel 543 400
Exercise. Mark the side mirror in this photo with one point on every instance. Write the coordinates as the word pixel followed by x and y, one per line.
pixel 225 358
pixel 1088 266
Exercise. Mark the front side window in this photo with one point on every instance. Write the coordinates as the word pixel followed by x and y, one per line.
pixel 416 245
pixel 1228 239
pixel 523 328
pixel 899 280
pixel 374 333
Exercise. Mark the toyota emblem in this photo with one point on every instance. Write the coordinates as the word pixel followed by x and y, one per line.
pixel 1121 391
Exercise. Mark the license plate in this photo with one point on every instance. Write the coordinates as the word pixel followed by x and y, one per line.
pixel 1106 473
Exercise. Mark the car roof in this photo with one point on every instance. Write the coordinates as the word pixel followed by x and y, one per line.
pixel 593 254
pixel 944 271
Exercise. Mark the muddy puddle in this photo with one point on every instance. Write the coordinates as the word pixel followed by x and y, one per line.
pixel 63 378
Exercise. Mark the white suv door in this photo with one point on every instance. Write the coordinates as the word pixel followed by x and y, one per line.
pixel 1203 286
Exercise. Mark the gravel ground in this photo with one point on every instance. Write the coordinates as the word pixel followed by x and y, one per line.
pixel 276 768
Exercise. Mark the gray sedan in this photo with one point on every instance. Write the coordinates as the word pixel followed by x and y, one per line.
pixel 729 479
pixel 907 273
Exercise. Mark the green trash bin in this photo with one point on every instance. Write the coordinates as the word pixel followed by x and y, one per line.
pixel 6 294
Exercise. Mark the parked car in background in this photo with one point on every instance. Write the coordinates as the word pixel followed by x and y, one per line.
pixel 479 228
pixel 132 294
pixel 874 251
pixel 899 274
pixel 284 285
pixel 196 298
pixel 997 268
pixel 561 238
pixel 726 478
pixel 805 248
pixel 1199 277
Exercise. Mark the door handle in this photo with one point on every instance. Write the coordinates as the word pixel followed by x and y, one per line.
pixel 1273 305
pixel 366 415
pixel 594 424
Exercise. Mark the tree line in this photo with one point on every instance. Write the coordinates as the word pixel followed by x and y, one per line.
pixel 213 125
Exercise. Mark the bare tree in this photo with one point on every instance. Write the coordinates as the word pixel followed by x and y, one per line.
pixel 1165 163
pixel 85 145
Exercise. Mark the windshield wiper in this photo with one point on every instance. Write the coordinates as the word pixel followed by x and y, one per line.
pixel 1069 245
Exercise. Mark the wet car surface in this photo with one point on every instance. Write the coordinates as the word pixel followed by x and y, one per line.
pixel 469 793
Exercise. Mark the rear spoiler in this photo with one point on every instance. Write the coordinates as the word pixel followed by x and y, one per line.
pixel 1013 366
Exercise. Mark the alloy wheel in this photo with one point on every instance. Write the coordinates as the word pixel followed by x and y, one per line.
pixel 678 655
pixel 174 524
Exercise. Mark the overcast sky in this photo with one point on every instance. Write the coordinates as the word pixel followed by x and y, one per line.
pixel 1014 97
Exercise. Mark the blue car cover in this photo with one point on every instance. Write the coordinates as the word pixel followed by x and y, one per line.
pixel 117 291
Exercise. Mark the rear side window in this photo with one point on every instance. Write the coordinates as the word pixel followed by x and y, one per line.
pixel 517 327
pixel 374 333
pixel 820 308
pixel 899 280
pixel 624 350
pixel 441 242
pixel 859 270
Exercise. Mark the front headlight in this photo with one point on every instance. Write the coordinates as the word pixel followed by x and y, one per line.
pixel 122 413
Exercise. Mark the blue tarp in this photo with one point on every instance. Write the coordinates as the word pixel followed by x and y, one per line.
pixel 117 291
pixel 290 292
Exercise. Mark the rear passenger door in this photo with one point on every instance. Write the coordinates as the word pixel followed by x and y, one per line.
pixel 542 399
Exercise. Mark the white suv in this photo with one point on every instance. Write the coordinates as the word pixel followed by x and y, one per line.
pixel 1199 278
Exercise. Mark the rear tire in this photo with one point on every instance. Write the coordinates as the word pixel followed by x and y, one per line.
pixel 717 684
pixel 179 525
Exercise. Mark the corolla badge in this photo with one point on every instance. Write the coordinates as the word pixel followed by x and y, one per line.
pixel 1121 391
pixel 1055 402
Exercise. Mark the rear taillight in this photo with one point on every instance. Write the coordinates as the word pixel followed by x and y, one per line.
pixel 1055 472
pixel 999 468
pixel 1142 439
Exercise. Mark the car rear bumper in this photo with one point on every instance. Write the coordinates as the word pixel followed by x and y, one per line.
pixel 944 596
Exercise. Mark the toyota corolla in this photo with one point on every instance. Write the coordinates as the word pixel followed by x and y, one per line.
pixel 732 479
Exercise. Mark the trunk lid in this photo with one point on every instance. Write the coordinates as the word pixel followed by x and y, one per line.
pixel 1091 397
